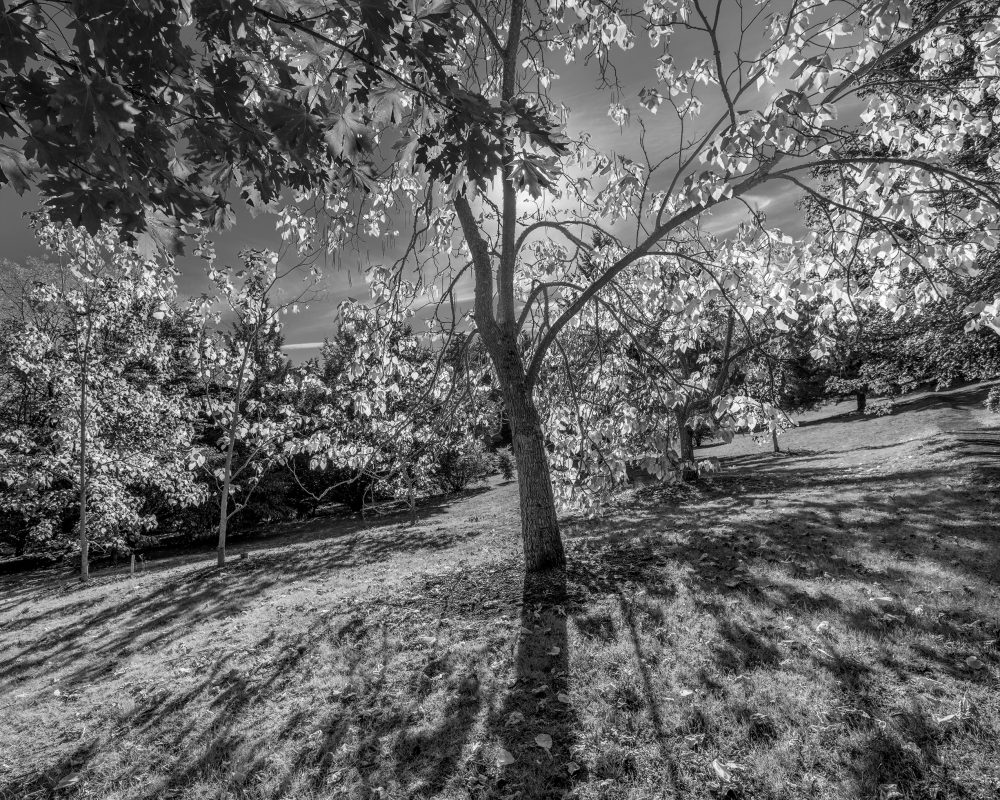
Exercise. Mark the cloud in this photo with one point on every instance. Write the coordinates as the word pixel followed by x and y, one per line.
pixel 303 346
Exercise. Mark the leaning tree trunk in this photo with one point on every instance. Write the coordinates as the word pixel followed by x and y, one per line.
pixel 543 548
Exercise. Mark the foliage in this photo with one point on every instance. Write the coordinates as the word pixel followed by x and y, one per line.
pixel 505 463
pixel 992 401
pixel 393 414
pixel 157 112
pixel 86 362
pixel 462 464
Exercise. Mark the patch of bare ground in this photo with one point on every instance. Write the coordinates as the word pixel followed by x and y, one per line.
pixel 821 623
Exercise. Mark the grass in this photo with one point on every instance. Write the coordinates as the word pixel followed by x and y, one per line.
pixel 822 623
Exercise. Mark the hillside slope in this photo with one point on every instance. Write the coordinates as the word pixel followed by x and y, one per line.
pixel 822 623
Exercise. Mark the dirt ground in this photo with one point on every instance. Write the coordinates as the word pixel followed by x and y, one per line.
pixel 820 623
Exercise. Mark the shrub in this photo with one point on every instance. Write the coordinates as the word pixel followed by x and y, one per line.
pixel 462 464
pixel 993 400
pixel 504 459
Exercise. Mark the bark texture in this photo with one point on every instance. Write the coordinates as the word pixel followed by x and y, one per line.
pixel 543 548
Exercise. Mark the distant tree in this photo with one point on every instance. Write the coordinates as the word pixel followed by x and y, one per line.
pixel 399 415
pixel 245 377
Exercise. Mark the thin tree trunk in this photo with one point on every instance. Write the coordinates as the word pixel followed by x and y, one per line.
pixel 226 482
pixel 410 496
pixel 862 398
pixel 774 439
pixel 84 541
pixel 227 477
pixel 685 447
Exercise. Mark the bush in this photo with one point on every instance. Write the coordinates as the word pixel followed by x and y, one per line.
pixel 462 464
pixel 993 400
pixel 504 460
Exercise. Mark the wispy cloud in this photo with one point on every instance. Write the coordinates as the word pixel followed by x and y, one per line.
pixel 302 346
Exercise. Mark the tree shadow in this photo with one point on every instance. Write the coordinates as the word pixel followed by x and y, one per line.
pixel 535 723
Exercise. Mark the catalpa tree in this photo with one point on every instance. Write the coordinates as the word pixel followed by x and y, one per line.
pixel 448 117
pixel 526 188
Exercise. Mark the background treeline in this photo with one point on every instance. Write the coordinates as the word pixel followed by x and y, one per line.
pixel 133 418
pixel 151 419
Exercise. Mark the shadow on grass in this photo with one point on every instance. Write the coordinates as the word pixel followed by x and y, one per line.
pixel 153 614
pixel 409 715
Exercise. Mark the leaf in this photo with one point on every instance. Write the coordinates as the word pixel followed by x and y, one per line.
pixel 69 781
pixel 721 771
pixel 504 758
pixel 544 741
pixel 348 138
pixel 973 662
pixel 554 651
pixel 572 767
pixel 16 169
pixel 562 697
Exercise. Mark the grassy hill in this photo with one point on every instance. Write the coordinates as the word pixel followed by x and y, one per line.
pixel 817 624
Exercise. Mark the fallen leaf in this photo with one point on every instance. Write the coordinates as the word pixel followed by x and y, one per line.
pixel 973 662
pixel 515 718
pixel 823 627
pixel 723 773
pixel 68 781
pixel 544 741
pixel 504 758
pixel 554 651
pixel 572 767
pixel 685 693
pixel 562 697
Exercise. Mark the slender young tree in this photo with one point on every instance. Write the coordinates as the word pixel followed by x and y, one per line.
pixel 244 373
pixel 105 427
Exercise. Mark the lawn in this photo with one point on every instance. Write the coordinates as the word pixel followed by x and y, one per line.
pixel 817 624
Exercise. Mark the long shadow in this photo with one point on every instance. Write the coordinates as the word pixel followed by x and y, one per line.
pixel 536 723
pixel 922 400
pixel 163 608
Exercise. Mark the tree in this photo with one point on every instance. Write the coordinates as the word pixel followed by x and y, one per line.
pixel 397 416
pixel 98 422
pixel 245 376
pixel 451 114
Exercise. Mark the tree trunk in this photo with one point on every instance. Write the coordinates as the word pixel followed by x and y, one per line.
pixel 774 439
pixel 862 398
pixel 84 540
pixel 685 448
pixel 227 477
pixel 543 548
pixel 411 499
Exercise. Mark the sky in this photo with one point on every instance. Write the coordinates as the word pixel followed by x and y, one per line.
pixel 577 88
